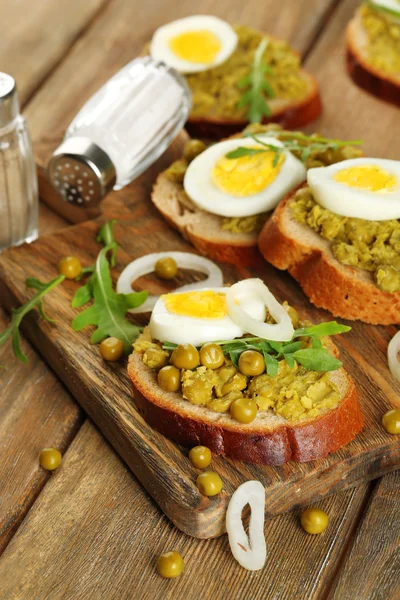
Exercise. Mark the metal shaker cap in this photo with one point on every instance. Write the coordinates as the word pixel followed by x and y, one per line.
pixel 81 172
pixel 9 103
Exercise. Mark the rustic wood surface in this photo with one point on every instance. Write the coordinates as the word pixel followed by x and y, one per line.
pixel 108 535
pixel 104 391
pixel 324 58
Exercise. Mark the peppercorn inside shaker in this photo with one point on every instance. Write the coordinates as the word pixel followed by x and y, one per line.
pixel 119 132
pixel 18 180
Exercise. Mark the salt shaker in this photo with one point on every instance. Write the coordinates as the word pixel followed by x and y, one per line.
pixel 118 133
pixel 18 180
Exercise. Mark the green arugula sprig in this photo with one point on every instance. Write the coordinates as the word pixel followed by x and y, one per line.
pixel 107 312
pixel 298 143
pixel 257 87
pixel 313 358
pixel 18 314
pixel 109 308
pixel 385 9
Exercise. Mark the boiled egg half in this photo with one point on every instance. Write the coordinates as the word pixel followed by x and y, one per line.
pixel 200 316
pixel 194 44
pixel 363 188
pixel 244 186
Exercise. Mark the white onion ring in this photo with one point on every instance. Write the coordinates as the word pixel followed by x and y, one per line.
pixel 282 331
pixel 392 353
pixel 186 260
pixel 249 552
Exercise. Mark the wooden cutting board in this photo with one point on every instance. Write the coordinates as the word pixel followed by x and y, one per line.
pixel 104 391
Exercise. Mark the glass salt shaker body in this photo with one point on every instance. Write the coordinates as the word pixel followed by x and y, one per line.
pixel 18 180
pixel 119 132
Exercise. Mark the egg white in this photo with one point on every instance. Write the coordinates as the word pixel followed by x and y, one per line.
pixel 160 50
pixel 347 201
pixel 166 326
pixel 204 193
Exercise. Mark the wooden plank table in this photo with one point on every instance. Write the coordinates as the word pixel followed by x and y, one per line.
pixel 89 531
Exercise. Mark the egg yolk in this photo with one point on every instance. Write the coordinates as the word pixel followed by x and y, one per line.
pixel 202 305
pixel 246 175
pixel 200 46
pixel 367 177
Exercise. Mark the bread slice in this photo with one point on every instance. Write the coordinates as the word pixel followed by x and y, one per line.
pixel 290 114
pixel 203 229
pixel 269 439
pixel 345 291
pixel 385 86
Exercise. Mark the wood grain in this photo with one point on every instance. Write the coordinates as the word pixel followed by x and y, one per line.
pixel 35 36
pixel 104 391
pixel 35 411
pixel 371 570
pixel 94 534
pixel 348 111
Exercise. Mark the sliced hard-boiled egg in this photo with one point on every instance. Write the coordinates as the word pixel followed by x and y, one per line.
pixel 244 186
pixel 364 188
pixel 200 316
pixel 194 44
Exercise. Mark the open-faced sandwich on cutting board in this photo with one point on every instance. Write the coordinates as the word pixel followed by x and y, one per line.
pixel 236 75
pixel 236 371
pixel 339 236
pixel 373 48
pixel 220 196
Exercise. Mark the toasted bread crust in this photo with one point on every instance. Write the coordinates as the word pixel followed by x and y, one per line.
pixel 238 249
pixel 326 282
pixel 293 115
pixel 299 442
pixel 365 75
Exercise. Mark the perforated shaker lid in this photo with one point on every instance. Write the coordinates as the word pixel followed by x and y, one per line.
pixel 81 172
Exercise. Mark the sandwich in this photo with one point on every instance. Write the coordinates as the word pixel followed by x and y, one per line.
pixel 339 236
pixel 220 196
pixel 236 371
pixel 373 48
pixel 236 75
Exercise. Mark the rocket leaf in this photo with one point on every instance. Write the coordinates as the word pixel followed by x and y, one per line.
pixel 257 88
pixel 18 314
pixel 108 309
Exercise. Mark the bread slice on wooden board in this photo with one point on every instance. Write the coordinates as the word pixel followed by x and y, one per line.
pixel 347 292
pixel 384 85
pixel 290 114
pixel 203 229
pixel 269 439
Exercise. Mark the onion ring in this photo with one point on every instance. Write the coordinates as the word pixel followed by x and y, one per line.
pixel 392 354
pixel 145 265
pixel 281 331
pixel 250 552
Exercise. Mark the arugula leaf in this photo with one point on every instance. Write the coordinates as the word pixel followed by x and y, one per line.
pixel 84 294
pixel 254 97
pixel 317 359
pixel 295 142
pixel 271 363
pixel 109 309
pixel 314 358
pixel 242 151
pixel 385 9
pixel 18 314
pixel 322 329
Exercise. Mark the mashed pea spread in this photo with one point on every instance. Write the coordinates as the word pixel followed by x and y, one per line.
pixel 383 32
pixel 216 91
pixel 370 245
pixel 176 172
pixel 294 393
